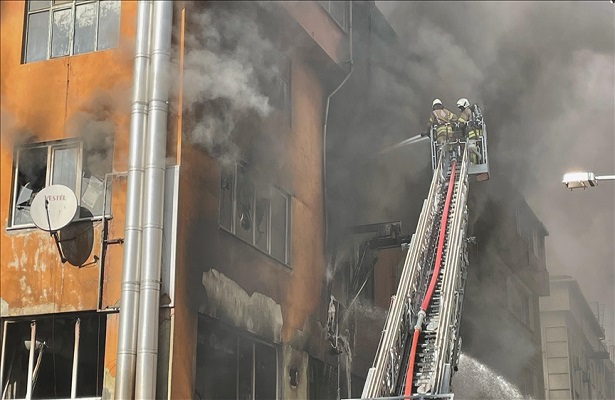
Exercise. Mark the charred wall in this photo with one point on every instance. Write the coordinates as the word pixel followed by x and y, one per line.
pixel 226 276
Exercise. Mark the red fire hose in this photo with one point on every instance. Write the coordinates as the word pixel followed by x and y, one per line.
pixel 432 282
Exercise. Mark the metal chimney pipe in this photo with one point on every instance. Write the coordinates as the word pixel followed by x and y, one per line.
pixel 155 163
pixel 131 265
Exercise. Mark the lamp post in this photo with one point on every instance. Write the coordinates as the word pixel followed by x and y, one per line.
pixel 577 180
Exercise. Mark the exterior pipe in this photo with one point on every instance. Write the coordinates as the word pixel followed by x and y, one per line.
pixel 155 161
pixel 31 359
pixel 131 266
pixel 73 384
pixel 5 327
pixel 324 130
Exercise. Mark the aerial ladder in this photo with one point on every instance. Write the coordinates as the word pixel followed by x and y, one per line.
pixel 420 344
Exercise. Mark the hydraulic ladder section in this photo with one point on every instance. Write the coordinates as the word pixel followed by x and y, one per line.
pixel 419 346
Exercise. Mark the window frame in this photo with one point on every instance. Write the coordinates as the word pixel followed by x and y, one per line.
pixel 234 206
pixel 326 5
pixel 517 294
pixel 216 326
pixel 51 146
pixel 51 9
pixel 77 345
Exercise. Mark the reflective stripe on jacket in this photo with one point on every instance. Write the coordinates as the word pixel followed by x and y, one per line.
pixel 441 117
pixel 471 128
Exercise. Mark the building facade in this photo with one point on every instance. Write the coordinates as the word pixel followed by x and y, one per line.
pixel 576 362
pixel 507 275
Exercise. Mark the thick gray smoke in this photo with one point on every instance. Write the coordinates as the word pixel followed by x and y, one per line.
pixel 544 76
pixel 96 123
pixel 227 59
pixel 11 132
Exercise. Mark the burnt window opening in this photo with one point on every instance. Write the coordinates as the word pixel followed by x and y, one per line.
pixel 338 10
pixel 257 214
pixel 61 345
pixel 230 365
pixel 70 162
pixel 323 380
pixel 67 27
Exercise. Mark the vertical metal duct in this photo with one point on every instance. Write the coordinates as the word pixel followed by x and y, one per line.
pixel 155 160
pixel 131 266
pixel 324 129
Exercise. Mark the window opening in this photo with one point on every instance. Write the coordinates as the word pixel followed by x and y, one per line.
pixel 65 162
pixel 277 84
pixel 338 10
pixel 258 215
pixel 69 27
pixel 230 365
pixel 67 356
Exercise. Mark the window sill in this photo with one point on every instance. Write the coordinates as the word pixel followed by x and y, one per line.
pixel 223 229
pixel 32 226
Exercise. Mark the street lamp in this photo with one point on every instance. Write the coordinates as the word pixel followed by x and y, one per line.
pixel 576 180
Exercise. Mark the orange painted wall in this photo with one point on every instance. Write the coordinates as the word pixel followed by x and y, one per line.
pixel 43 98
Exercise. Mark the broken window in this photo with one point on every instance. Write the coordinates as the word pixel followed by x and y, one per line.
pixel 62 353
pixel 68 27
pixel 230 365
pixel 64 162
pixel 258 214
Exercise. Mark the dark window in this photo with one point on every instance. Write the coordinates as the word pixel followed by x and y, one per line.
pixel 277 84
pixel 56 340
pixel 72 163
pixel 322 380
pixel 230 365
pixel 63 28
pixel 259 215
pixel 520 302
pixel 338 10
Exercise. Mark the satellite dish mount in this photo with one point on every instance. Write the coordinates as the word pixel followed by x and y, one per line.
pixel 52 209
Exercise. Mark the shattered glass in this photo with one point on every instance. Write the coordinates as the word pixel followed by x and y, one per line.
pixel 261 237
pixel 31 176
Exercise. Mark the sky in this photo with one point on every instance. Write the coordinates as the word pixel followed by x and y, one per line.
pixel 543 73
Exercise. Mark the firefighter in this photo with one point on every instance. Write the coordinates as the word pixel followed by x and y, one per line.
pixel 442 120
pixel 470 127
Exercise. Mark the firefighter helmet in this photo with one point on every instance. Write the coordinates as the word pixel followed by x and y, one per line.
pixel 436 102
pixel 463 103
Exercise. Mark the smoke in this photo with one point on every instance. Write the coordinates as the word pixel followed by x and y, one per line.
pixel 543 74
pixel 12 133
pixel 95 123
pixel 227 60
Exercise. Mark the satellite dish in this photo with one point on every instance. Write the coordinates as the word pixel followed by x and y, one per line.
pixel 53 208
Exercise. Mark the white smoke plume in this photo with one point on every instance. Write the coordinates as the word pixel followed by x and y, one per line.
pixel 227 57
